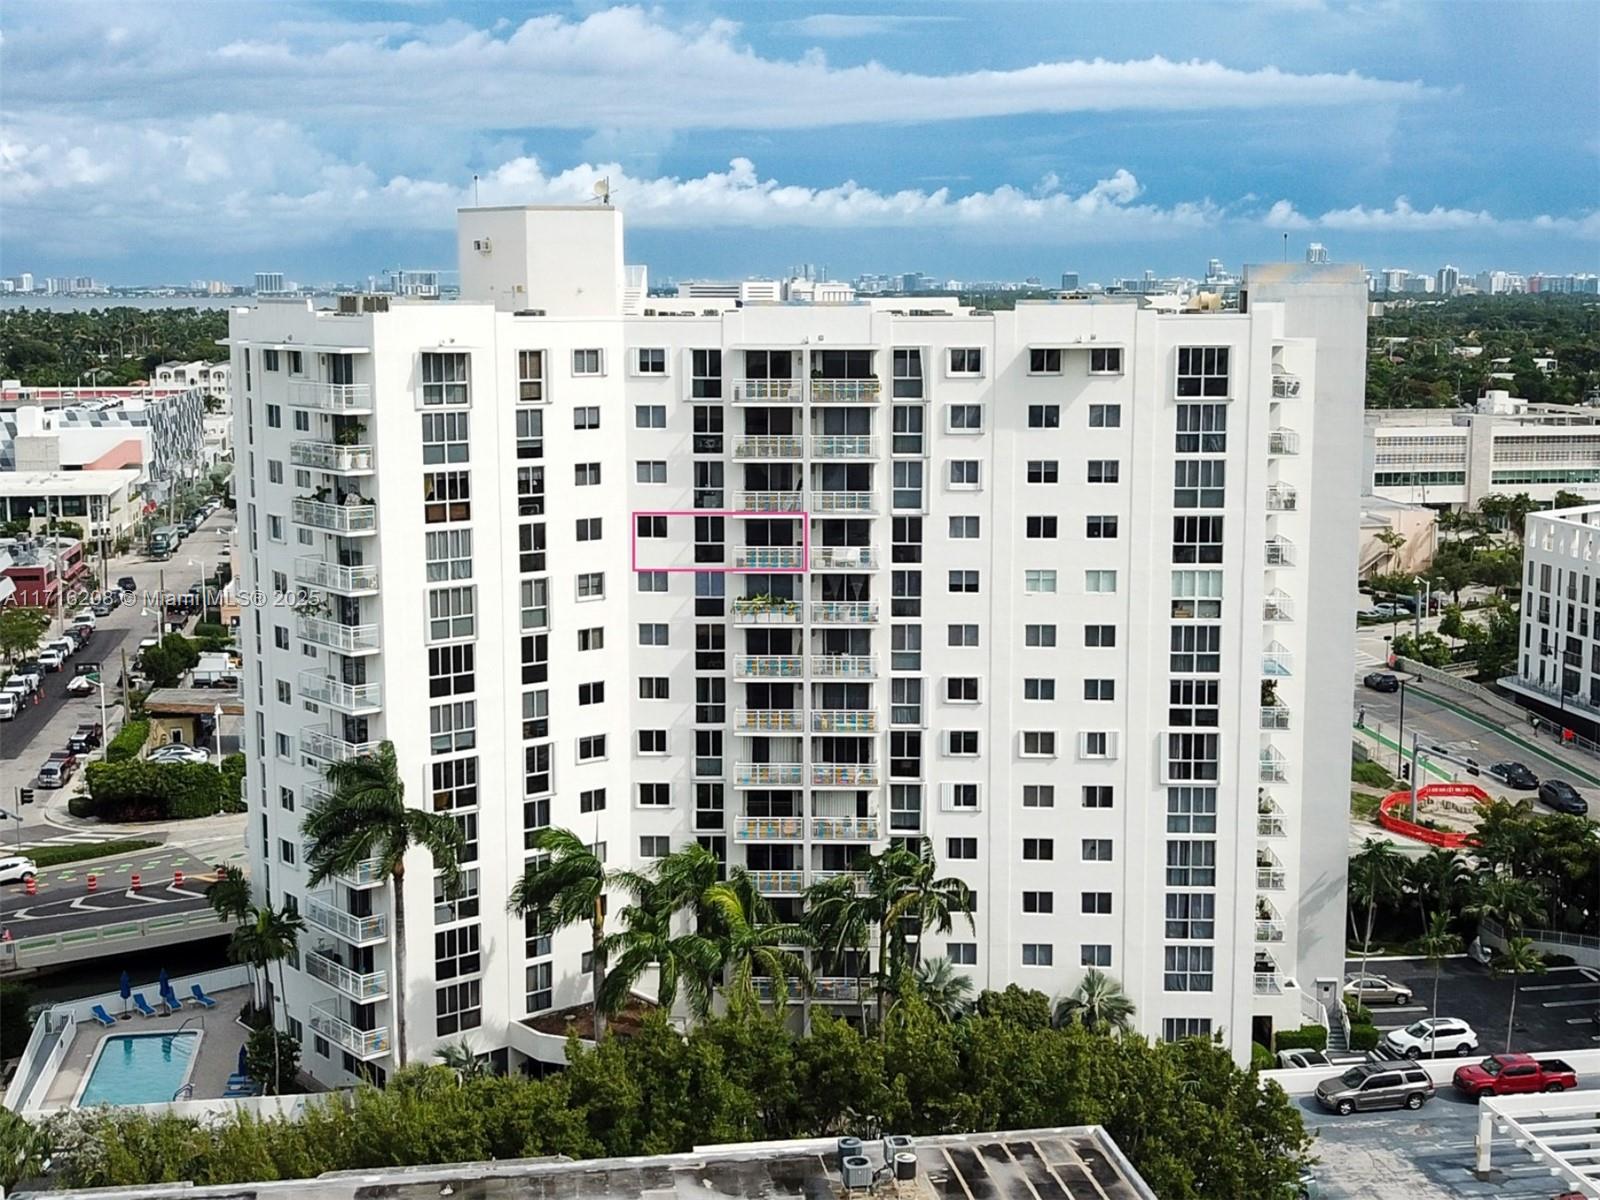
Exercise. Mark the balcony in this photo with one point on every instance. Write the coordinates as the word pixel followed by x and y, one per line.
pixel 767 610
pixel 843 612
pixel 844 829
pixel 769 720
pixel 1274 767
pixel 321 912
pixel 346 639
pixel 782 775
pixel 1284 385
pixel 367 873
pixel 1269 879
pixel 843 502
pixel 793 990
pixel 768 391
pixel 845 558
pixel 1277 606
pixel 769 558
pixel 1282 498
pixel 351 520
pixel 330 397
pixel 335 693
pixel 844 445
pixel 845 391
pixel 769 446
pixel 1268 984
pixel 1283 441
pixel 333 577
pixel 769 829
pixel 844 666
pixel 1275 716
pixel 859 877
pixel 363 1043
pixel 1280 552
pixel 844 720
pixel 1269 931
pixel 769 502
pixel 779 883
pixel 363 989
pixel 320 743
pixel 844 775
pixel 335 459
pixel 835 989
pixel 769 666
pixel 1277 661
pixel 1270 825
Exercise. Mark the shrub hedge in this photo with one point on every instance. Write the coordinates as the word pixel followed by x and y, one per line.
pixel 1307 1037
pixel 129 741
pixel 138 790
pixel 1364 1037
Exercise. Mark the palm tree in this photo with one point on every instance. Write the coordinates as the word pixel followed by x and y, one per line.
pixel 753 943
pixel 685 876
pixel 568 888
pixel 1375 872
pixel 1504 899
pixel 1437 879
pixel 461 1058
pixel 1098 1003
pixel 690 960
pixel 229 896
pixel 838 922
pixel 1436 944
pixel 1519 957
pixel 909 898
pixel 365 816
pixel 268 937
pixel 944 989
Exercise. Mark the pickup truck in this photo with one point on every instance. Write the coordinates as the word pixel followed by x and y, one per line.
pixel 1508 1074
pixel 85 738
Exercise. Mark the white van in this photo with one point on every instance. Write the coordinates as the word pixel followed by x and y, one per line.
pixel 10 705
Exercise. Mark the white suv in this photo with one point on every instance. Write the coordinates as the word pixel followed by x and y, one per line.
pixel 1430 1037
pixel 17 869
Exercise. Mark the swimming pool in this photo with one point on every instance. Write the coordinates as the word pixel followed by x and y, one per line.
pixel 139 1068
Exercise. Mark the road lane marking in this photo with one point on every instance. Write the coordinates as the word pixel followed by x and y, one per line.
pixel 1567 1003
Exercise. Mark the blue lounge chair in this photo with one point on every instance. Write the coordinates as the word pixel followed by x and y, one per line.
pixel 143 1005
pixel 200 998
pixel 101 1015
pixel 170 999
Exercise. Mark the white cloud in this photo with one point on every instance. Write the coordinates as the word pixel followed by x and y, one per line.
pixel 1402 217
pixel 853 25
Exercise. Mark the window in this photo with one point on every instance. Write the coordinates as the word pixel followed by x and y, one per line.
pixel 1175 1029
pixel 451 613
pixel 538 993
pixel 961 797
pixel 587 362
pixel 1041 527
pixel 452 726
pixel 1044 362
pixel 1038 795
pixel 586 416
pixel 1097 903
pixel 651 361
pixel 1038 902
pixel 270 360
pixel 1196 539
pixel 444 438
pixel 589 529
pixel 1039 635
pixel 1191 916
pixel 1196 649
pixel 705 370
pixel 1100 582
pixel 962 954
pixel 274 471
pixel 1104 527
pixel 1202 371
pixel 1191 810
pixel 286 850
pixel 451 670
pixel 961 743
pixel 655 795
pixel 961 848
pixel 448 554
pixel 652 581
pixel 649 416
pixel 1202 429
pixel 283 745
pixel 1096 850
pixel 1197 595
pixel 1191 863
pixel 1105 360
pixel 274 416
pixel 1099 689
pixel 530 376
pixel 1104 470
pixel 456 952
pixel 1038 849
pixel 964 418
pixel 1100 635
pixel 1038 954
pixel 961 689
pixel 592 800
pixel 907 374
pixel 286 798
pixel 1105 416
pixel 962 635
pixel 964 582
pixel 586 474
pixel 592 747
pixel 654 846
pixel 652 741
pixel 1198 482
pixel 650 527
pixel 908 427
pixel 1038 688
pixel 274 528
pixel 1097 744
pixel 1037 743
pixel 458 1006
pixel 653 633
pixel 654 687
pixel 1097 795
pixel 966 360
pixel 907 484
pixel 446 496
pixel 444 380
pixel 964 473
pixel 1043 470
pixel 592 693
pixel 650 471
pixel 591 585
pixel 1187 968
pixel 1036 582
pixel 1044 416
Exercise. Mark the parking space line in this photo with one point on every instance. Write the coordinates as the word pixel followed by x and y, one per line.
pixel 1567 1003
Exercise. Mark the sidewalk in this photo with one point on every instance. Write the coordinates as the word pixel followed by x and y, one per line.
pixel 1513 725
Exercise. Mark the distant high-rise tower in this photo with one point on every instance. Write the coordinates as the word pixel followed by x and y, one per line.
pixel 1069 281
pixel 1317 253
pixel 1449 280
pixel 269 283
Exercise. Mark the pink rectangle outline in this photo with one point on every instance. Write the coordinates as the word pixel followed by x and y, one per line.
pixel 803 516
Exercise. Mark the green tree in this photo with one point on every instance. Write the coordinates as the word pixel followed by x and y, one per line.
pixel 1519 958
pixel 1497 649
pixel 267 936
pixel 753 942
pixel 229 895
pixel 1375 874
pixel 1505 900
pixel 1508 512
pixel 1098 1003
pixel 1453 624
pixel 15 1028
pixel 365 816
pixel 1438 881
pixel 1393 541
pixel 162 666
pixel 1500 568
pixel 270 1057
pixel 566 885
pixel 20 630
pixel 911 899
pixel 947 992
pixel 24 1149
pixel 1025 1008
pixel 1566 499
pixel 461 1058
pixel 838 921
pixel 1437 944
pixel 683 960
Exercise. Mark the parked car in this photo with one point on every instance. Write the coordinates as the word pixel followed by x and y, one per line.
pixel 1515 775
pixel 51 658
pixel 1429 1037
pixel 128 583
pixel 1300 1059
pixel 10 706
pixel 17 868
pixel 64 646
pixel 19 686
pixel 30 670
pixel 81 685
pixel 177 752
pixel 1506 1074
pixel 1563 797
pixel 86 737
pixel 1376 989
pixel 84 634
pixel 103 606
pixel 84 616
pixel 1381 681
pixel 1376 1085
pixel 57 769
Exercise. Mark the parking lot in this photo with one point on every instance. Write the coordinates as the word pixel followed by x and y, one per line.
pixel 1555 1011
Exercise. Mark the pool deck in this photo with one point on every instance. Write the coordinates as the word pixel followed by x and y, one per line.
pixel 218 1056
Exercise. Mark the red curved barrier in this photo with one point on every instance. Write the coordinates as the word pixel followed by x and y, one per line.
pixel 1450 840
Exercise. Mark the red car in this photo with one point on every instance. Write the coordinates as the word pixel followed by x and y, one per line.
pixel 1509 1074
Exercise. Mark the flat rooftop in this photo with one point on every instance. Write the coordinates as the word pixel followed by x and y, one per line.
pixel 1075 1163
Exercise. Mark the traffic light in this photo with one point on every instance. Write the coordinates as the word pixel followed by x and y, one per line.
pixel 1405 772
pixel 25 795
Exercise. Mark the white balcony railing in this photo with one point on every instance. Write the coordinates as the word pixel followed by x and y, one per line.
pixel 1277 606
pixel 767 610
pixel 844 775
pixel 319 743
pixel 362 988
pixel 769 774
pixel 346 697
pixel 346 639
pixel 845 558
pixel 1275 716
pixel 843 502
pixel 845 391
pixel 844 666
pixel 333 577
pixel 843 612
pixel 1285 386
pixel 1283 441
pixel 844 829
pixel 321 912
pixel 769 446
pixel 1269 931
pixel 1282 498
pixel 328 456
pixel 844 445
pixel 769 720
pixel 1270 825
pixel 1274 767
pixel 1280 552
pixel 769 829
pixel 1269 879
pixel 331 397
pixel 769 666
pixel 769 558
pixel 1278 662
pixel 768 391
pixel 366 873
pixel 788 883
pixel 844 720
pixel 348 519
pixel 1268 984
pixel 363 1043
pixel 770 502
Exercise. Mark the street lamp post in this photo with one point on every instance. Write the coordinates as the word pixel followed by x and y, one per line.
pixel 1400 735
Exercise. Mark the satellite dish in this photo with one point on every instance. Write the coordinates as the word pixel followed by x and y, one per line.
pixel 602 189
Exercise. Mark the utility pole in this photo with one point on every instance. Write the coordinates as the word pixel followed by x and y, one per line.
pixel 1415 743
pixel 1400 735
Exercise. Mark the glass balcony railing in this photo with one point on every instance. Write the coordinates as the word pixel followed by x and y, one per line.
pixel 769 720
pixel 365 1044
pixel 844 666
pixel 845 391
pixel 347 519
pixel 843 612
pixel 845 558
pixel 767 610
pixel 346 697
pixel 844 829
pixel 844 775
pixel 844 502
pixel 367 873
pixel 769 666
pixel 320 743
pixel 769 558
pixel 328 456
pixel 844 445
pixel 1275 716
pixel 346 639
pixel 782 883
pixel 768 391
pixel 769 774
pixel 331 397
pixel 1269 931
pixel 769 446
pixel 334 577
pixel 321 912
pixel 844 720
pixel 769 502
pixel 1269 879
pixel 362 988
pixel 769 829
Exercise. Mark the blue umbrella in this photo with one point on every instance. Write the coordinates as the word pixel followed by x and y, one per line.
pixel 242 1071
pixel 126 988
pixel 164 981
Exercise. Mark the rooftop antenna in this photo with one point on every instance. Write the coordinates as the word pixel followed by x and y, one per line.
pixel 475 191
pixel 602 190
pixel 1286 247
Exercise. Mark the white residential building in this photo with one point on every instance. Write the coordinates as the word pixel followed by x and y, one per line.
pixel 795 580
pixel 211 378
pixel 1558 663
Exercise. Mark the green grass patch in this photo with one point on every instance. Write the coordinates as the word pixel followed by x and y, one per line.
pixel 1364 806
pixel 55 856
pixel 1371 775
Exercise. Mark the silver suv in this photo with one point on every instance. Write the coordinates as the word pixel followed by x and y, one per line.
pixel 1376 1085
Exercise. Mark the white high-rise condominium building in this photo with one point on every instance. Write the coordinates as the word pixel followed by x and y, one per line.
pixel 1065 590
pixel 1558 664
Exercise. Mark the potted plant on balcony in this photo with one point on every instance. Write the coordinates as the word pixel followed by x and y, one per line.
pixel 319 495
pixel 350 434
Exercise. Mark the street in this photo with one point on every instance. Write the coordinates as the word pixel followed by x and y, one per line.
pixel 64 901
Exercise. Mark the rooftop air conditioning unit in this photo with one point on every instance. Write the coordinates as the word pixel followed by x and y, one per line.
pixel 857 1172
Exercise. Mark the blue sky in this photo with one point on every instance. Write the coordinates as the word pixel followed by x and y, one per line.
pixel 147 141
